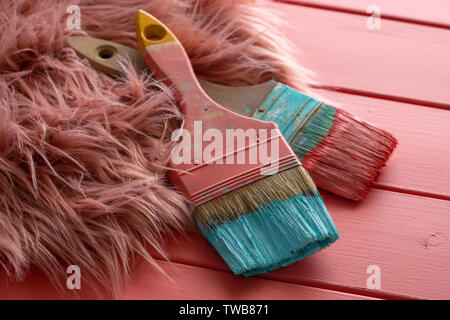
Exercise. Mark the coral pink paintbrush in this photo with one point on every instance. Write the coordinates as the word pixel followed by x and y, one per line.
pixel 260 212
pixel 344 155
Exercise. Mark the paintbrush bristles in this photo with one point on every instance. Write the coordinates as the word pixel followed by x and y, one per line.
pixel 278 187
pixel 348 157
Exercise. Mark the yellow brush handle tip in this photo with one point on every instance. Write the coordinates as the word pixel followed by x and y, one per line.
pixel 151 31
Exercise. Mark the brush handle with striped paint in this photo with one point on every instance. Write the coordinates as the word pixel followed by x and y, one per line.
pixel 198 179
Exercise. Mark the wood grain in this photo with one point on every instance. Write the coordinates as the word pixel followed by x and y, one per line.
pixel 182 282
pixel 401 60
pixel 419 164
pixel 406 236
pixel 434 13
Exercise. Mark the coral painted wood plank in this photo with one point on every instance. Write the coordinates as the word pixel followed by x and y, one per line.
pixel 420 163
pixel 191 282
pixel 406 236
pixel 184 282
pixel 401 60
pixel 36 286
pixel 435 12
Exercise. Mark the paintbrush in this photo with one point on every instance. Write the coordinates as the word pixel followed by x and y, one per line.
pixel 343 155
pixel 259 211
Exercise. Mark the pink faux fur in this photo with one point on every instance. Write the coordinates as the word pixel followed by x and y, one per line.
pixel 82 156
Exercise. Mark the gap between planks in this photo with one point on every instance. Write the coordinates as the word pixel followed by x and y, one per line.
pixel 395 14
pixel 410 192
pixel 406 236
pixel 344 54
pixel 381 295
pixel 206 283
pixel 362 93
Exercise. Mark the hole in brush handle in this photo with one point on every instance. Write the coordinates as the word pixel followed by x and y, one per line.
pixel 106 51
pixel 155 33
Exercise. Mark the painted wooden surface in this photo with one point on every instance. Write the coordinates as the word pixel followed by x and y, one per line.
pixel 433 12
pixel 191 282
pixel 398 79
pixel 180 282
pixel 405 235
pixel 401 60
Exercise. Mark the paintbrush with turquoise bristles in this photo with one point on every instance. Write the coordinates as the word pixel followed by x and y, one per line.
pixel 344 155
pixel 266 235
pixel 260 212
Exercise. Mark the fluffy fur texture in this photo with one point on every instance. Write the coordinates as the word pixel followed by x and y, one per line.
pixel 83 156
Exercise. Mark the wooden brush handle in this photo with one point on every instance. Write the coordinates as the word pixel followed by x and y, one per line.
pixel 203 180
pixel 109 57
pixel 169 62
